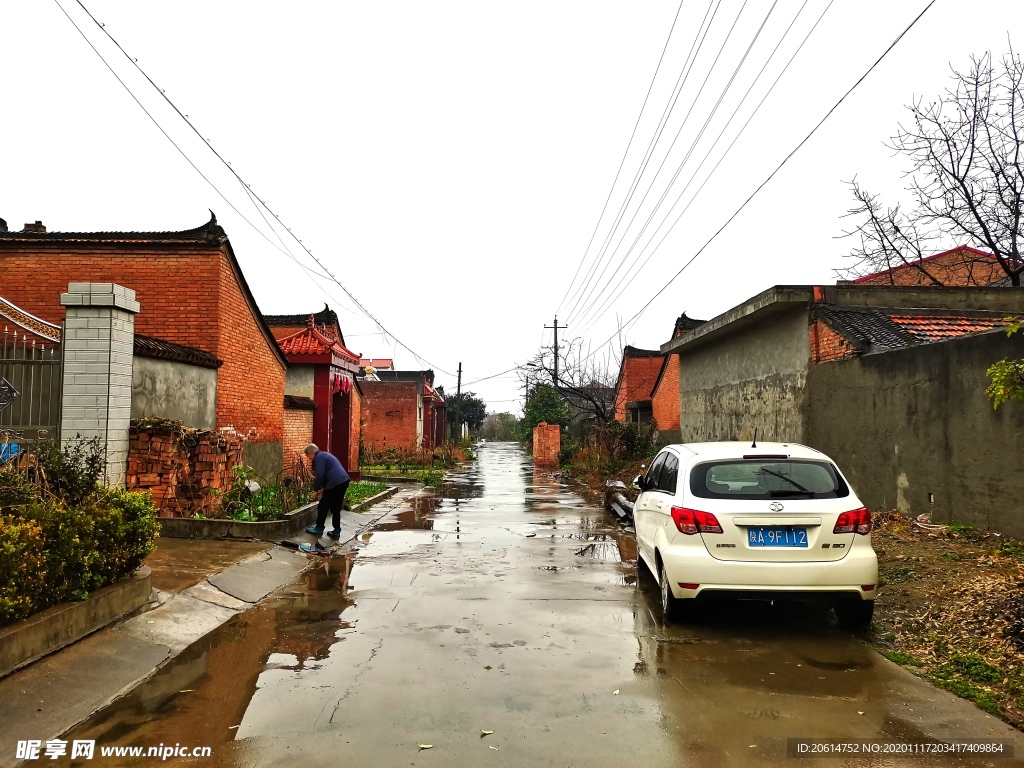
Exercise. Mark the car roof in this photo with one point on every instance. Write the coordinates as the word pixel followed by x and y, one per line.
pixel 738 449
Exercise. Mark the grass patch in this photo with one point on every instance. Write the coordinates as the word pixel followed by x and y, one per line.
pixel 959 528
pixel 970 666
pixel 360 490
pixel 965 690
pixel 904 659
pixel 896 575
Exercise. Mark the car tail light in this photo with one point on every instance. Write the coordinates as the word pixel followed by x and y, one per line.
pixel 854 521
pixel 691 521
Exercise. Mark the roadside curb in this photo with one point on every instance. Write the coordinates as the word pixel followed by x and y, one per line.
pixel 61 625
pixel 56 693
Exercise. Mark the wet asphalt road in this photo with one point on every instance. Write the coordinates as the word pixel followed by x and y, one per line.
pixel 508 603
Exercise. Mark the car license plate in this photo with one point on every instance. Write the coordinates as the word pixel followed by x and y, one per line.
pixel 761 536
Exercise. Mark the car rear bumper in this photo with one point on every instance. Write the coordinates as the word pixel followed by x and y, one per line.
pixel 692 565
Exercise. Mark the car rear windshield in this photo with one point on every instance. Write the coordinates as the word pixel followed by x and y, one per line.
pixel 771 479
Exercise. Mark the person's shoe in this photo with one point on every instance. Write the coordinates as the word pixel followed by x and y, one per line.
pixel 335 534
pixel 315 530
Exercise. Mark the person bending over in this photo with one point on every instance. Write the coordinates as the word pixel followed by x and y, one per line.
pixel 331 480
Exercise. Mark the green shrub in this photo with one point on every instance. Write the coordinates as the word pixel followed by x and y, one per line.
pixel 271 501
pixel 21 568
pixel 61 539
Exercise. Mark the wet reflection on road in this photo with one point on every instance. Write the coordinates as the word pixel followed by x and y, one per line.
pixel 503 601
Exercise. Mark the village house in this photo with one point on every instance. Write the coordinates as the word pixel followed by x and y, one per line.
pixel 868 374
pixel 647 387
pixel 963 266
pixel 196 310
pixel 402 410
pixel 322 399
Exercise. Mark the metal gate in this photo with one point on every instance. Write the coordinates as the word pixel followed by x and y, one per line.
pixel 30 393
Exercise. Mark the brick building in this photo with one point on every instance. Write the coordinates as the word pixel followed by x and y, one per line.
pixel 637 374
pixel 401 409
pixel 322 396
pixel 192 293
pixel 665 393
pixel 960 266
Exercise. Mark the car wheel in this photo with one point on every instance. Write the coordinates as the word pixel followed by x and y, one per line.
pixel 671 606
pixel 853 612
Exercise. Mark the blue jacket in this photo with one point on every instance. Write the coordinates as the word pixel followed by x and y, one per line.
pixel 327 471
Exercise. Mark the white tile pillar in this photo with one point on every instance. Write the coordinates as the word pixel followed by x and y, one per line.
pixel 98 343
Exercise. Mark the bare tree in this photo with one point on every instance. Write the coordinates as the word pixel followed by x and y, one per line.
pixel 966 177
pixel 586 380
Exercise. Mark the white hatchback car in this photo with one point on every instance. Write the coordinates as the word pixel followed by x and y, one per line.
pixel 771 521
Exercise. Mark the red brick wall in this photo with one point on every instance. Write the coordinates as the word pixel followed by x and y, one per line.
pixel 636 382
pixel 547 440
pixel 250 384
pixel 353 456
pixel 957 268
pixel 298 433
pixel 182 481
pixel 188 296
pixel 827 344
pixel 389 414
pixel 665 403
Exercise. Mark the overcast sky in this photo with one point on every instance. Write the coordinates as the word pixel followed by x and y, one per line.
pixel 448 161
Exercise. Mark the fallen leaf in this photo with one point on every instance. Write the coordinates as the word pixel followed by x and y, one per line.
pixel 486 733
pixel 859 712
pixel 494 748
pixel 151 622
pixel 425 746
pixel 232 727
pixel 188 690
pixel 615 692
pixel 488 667
pixel 771 673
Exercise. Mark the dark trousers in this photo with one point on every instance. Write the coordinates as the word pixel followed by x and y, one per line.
pixel 331 500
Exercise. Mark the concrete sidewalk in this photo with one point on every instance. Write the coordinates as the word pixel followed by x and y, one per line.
pixel 52 695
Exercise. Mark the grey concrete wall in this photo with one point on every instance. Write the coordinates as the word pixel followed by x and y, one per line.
pixel 98 340
pixel 173 390
pixel 756 377
pixel 299 381
pixel 907 423
pixel 266 458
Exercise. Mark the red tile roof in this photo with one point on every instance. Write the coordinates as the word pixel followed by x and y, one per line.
pixel 313 341
pixel 380 363
pixel 932 328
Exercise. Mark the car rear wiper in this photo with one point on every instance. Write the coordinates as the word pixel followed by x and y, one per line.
pixel 794 483
pixel 791 492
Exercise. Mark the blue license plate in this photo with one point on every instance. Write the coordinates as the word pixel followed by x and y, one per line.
pixel 762 536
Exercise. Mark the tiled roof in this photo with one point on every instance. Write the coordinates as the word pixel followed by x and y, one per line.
pixel 629 351
pixel 25 321
pixel 325 316
pixel 380 363
pixel 937 327
pixel 684 324
pixel 312 341
pixel 147 346
pixel 210 232
pixel 299 403
pixel 896 328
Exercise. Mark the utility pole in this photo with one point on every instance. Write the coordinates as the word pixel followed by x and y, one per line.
pixel 458 404
pixel 556 328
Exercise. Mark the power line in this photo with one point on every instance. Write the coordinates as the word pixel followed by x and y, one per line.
pixel 596 297
pixel 625 281
pixel 636 316
pixel 670 105
pixel 622 162
pixel 327 273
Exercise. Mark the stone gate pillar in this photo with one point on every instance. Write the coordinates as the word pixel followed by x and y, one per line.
pixel 98 341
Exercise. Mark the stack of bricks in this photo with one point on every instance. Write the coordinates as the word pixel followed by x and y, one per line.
pixel 182 480
pixel 547 441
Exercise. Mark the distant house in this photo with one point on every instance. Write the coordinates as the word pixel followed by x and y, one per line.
pixel 322 400
pixel 401 409
pixel 960 266
pixel 195 306
pixel 638 373
pixel 377 364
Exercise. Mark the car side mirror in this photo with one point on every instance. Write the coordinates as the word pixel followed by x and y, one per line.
pixel 638 482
